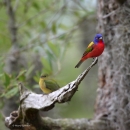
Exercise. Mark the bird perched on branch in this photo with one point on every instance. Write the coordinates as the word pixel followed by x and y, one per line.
pixel 94 49
pixel 48 85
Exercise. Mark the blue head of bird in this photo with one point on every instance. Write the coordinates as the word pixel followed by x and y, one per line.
pixel 97 38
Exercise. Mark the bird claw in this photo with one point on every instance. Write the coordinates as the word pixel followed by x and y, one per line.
pixel 95 60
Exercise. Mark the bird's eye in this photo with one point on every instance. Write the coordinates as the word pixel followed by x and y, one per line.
pixel 46 75
pixel 43 76
pixel 100 37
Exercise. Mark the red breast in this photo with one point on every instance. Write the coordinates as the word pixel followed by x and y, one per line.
pixel 97 51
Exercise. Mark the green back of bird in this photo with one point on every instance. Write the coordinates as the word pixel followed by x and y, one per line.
pixel 51 84
pixel 89 48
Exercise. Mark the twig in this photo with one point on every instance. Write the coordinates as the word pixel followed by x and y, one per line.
pixel 107 15
pixel 30 45
pixel 12 21
pixel 33 17
pixel 16 5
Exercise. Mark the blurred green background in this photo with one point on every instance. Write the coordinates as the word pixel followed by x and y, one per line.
pixel 50 37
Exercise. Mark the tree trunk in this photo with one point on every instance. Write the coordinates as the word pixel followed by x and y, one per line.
pixel 114 69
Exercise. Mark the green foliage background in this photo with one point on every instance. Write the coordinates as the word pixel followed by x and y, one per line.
pixel 49 34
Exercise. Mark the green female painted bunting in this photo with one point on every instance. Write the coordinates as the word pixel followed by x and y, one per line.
pixel 48 85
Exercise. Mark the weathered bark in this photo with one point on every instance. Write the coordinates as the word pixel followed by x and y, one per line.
pixel 46 123
pixel 27 116
pixel 113 101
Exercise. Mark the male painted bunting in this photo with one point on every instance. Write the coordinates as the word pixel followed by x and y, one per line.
pixel 94 49
pixel 48 85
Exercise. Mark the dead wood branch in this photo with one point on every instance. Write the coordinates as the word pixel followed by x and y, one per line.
pixel 30 104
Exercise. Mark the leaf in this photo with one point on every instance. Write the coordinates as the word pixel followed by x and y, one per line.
pixel 2 95
pixel 1 104
pixel 54 28
pixel 21 73
pixel 1 75
pixel 62 37
pixel 46 3
pixel 36 78
pixel 50 55
pixel 11 92
pixel 27 33
pixel 46 64
pixel 7 80
pixel 36 6
pixel 76 13
pixel 31 68
pixel 54 48
pixel 63 26
pixel 43 24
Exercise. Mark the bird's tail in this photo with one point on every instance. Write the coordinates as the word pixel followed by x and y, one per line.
pixel 79 63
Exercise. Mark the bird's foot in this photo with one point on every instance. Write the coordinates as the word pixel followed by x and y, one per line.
pixel 95 60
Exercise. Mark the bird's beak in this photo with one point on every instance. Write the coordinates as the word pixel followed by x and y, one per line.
pixel 100 38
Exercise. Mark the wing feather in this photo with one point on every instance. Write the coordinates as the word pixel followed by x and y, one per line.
pixel 51 84
pixel 89 48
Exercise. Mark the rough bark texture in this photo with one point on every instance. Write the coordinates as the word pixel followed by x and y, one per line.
pixel 113 101
pixel 27 116
pixel 47 123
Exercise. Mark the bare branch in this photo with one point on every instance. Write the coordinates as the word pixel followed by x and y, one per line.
pixel 12 21
pixel 76 124
pixel 31 103
pixel 33 17
pixel 64 124
pixel 16 5
pixel 30 45
pixel 108 15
